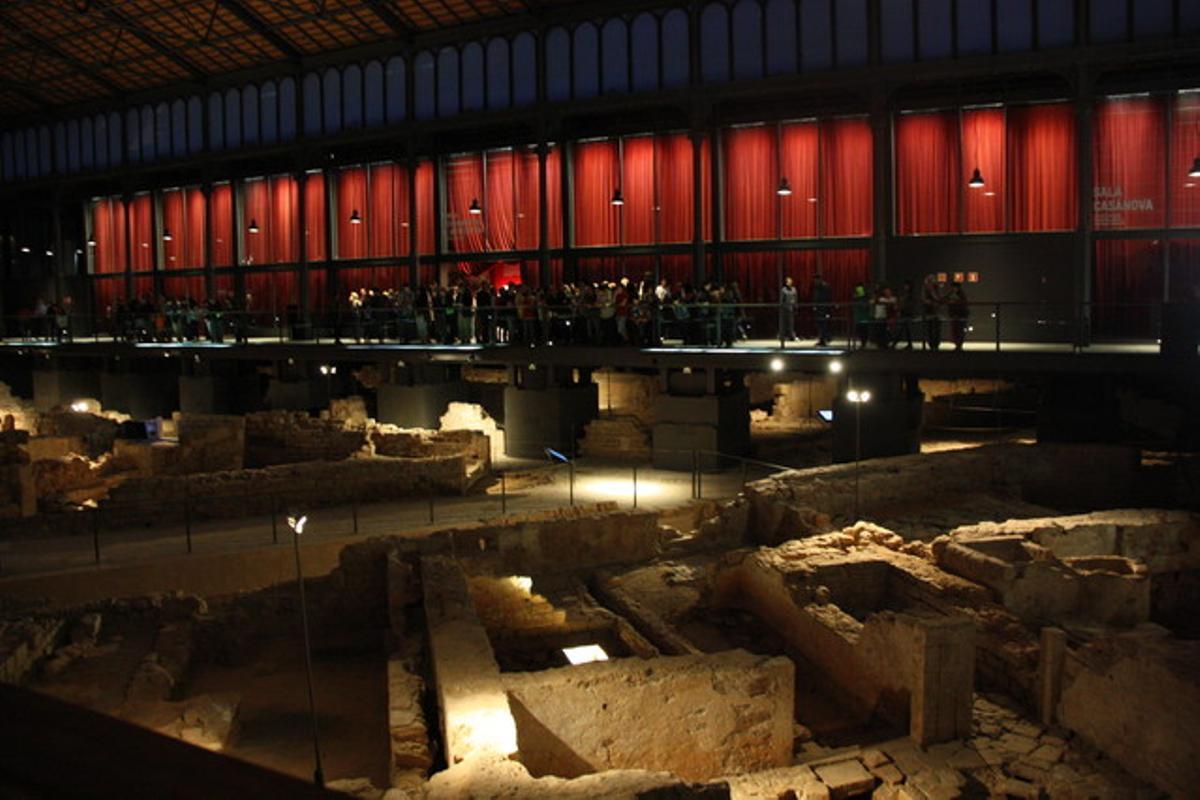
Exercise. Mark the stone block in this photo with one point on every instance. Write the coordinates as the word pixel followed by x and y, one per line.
pixel 845 779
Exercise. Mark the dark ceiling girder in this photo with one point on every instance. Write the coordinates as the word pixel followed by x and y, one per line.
pixel 52 50
pixel 150 40
pixel 384 11
pixel 256 23
pixel 26 91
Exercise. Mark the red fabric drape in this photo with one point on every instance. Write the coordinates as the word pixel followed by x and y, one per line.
pixel 1127 281
pixel 271 292
pixel 223 285
pixel 983 136
pixel 500 205
pixel 674 191
pixel 184 288
pixel 108 231
pixel 105 292
pixel 195 207
pixel 424 178
pixel 1129 158
pixel 1043 168
pixel 798 157
pixel 846 183
pixel 382 218
pixel 597 220
pixel 1184 255
pixel 706 191
pixel 141 233
pixel 173 223
pixel 143 287
pixel 553 199
pixel 314 217
pixel 351 197
pixel 756 274
pixel 256 203
pixel 929 178
pixel 751 179
pixel 528 199
pixel 1185 148
pixel 676 269
pixel 283 233
pixel 464 186
pixel 317 282
pixel 637 222
pixel 220 208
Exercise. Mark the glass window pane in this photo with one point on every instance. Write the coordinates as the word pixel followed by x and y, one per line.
pixel 586 60
pixel 897 34
pixel 558 65
pixel 1152 18
pixel 852 33
pixel 100 128
pixel 86 144
pixel 162 129
pixel 195 113
pixel 1014 26
pixel 233 119
pixel 73 145
pixel 268 115
pixel 524 66
pixel 352 89
pixel 331 105
pixel 933 28
pixel 179 129
pixel 472 77
pixel 287 109
pixel 133 136
pixel 675 60
pixel 747 40
pixel 1056 23
pixel 644 34
pixel 714 43
pixel 396 91
pixel 1107 20
pixel 47 164
pixel 149 141
pixel 373 104
pixel 816 35
pixel 423 85
pixel 974 27
pixel 499 94
pixel 616 56
pixel 250 114
pixel 449 102
pixel 115 139
pixel 6 143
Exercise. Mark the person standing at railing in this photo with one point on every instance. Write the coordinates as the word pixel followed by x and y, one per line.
pixel 931 300
pixel 787 311
pixel 862 315
pixel 959 310
pixel 822 300
pixel 907 313
pixel 621 307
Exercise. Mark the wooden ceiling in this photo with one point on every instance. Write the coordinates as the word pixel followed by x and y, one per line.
pixel 56 53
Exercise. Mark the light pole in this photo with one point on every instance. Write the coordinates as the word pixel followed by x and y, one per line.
pixel 297 526
pixel 857 398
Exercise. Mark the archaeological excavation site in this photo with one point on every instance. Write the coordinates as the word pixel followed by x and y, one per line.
pixel 318 603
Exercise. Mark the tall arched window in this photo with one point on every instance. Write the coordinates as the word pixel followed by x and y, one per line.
pixel 162 129
pixel 352 96
pixel 394 89
pixel 747 40
pixel 87 145
pixel 423 86
pixel 233 119
pixel 448 101
pixel 133 136
pixel 472 77
pixel 498 69
pixel 179 128
pixel 149 139
pixel 781 36
pixel 312 104
pixel 331 106
pixel 675 56
pixel 558 65
pixel 586 60
pixel 374 107
pixel 644 33
pixel 287 109
pixel 714 43
pixel 615 56
pixel 268 115
pixel 114 139
pixel 195 114
pixel 524 70
pixel 100 130
pixel 250 115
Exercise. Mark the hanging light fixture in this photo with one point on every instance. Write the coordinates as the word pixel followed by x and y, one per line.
pixel 253 226
pixel 167 235
pixel 91 242
pixel 976 181
pixel 355 218
pixel 474 209
pixel 1194 172
pixel 617 198
pixel 785 188
pixel 25 248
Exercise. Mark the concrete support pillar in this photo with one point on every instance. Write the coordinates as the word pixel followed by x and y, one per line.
pixel 701 414
pixel 944 687
pixel 547 407
pixel 889 424
pixel 1050 668
pixel 417 396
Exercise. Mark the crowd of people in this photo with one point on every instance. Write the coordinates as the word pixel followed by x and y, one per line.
pixel 606 312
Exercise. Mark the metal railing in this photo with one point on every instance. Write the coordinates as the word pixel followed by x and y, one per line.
pixel 847 325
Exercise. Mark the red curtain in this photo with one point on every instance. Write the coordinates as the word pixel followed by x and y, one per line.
pixel 172 211
pixel 220 206
pixel 256 204
pixel 751 178
pixel 184 288
pixel 271 292
pixel 314 217
pixel 928 173
pixel 223 286
pixel 637 187
pixel 983 135
pixel 527 199
pixel 706 190
pixel 143 287
pixel 108 231
pixel 1185 270
pixel 351 198
pixel 464 187
pixel 554 201
pixel 500 205
pixel 316 289
pixel 597 220
pixel 105 293
pixel 141 233
pixel 676 269
pixel 756 274
pixel 195 207
pixel 424 178
pixel 674 190
pixel 798 157
pixel 1042 159
pixel 1129 160
pixel 283 233
pixel 381 215
pixel 846 169
pixel 1127 281
pixel 1185 148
